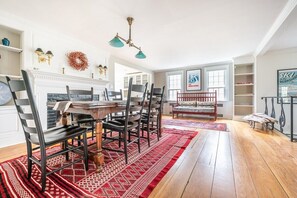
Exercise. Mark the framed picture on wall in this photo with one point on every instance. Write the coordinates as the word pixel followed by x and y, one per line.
pixel 193 80
pixel 287 84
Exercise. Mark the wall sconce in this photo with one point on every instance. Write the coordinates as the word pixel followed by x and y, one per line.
pixel 102 70
pixel 44 57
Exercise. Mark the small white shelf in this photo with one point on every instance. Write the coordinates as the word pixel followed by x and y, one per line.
pixel 12 49
pixel 7 107
pixel 244 105
pixel 244 74
pixel 11 76
pixel 240 95
pixel 248 84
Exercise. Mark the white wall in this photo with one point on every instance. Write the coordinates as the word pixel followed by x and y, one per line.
pixel 267 66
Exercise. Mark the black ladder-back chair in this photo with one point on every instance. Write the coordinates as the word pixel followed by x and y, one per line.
pixel 82 95
pixel 151 118
pixel 130 123
pixel 112 96
pixel 35 135
pixel 159 92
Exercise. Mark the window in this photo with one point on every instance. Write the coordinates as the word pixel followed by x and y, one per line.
pixel 217 80
pixel 174 84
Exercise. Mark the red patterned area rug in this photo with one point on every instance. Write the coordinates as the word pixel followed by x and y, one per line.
pixel 135 179
pixel 196 124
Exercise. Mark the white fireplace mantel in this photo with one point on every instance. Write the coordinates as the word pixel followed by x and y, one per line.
pixel 54 77
pixel 45 82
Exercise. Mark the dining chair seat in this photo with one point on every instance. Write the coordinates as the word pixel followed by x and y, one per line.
pixel 54 135
pixel 118 125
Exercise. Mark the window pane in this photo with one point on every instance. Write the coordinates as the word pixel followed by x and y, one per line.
pixel 174 85
pixel 175 81
pixel 220 93
pixel 172 94
pixel 216 82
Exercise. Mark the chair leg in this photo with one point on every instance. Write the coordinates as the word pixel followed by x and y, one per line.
pixel 43 169
pixel 158 129
pixel 86 151
pixel 148 135
pixel 142 130
pixel 78 140
pixel 120 139
pixel 66 147
pixel 104 134
pixel 138 141
pixel 125 147
pixel 92 130
pixel 78 137
pixel 29 151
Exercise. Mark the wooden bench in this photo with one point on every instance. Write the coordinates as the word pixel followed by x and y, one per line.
pixel 202 103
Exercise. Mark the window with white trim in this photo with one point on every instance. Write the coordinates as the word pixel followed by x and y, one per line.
pixel 217 80
pixel 174 84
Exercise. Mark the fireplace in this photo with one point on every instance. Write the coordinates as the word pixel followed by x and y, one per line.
pixel 54 116
pixel 52 87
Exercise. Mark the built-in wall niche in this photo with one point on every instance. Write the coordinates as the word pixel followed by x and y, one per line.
pixel 10 59
pixel 243 90
pixel 10 56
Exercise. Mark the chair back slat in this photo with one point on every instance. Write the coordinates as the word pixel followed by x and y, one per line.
pixel 30 129
pixel 80 95
pixel 136 99
pixel 113 95
pixel 155 105
pixel 133 118
pixel 138 88
pixel 158 91
pixel 135 108
pixel 22 102
pixel 17 85
pixel 26 116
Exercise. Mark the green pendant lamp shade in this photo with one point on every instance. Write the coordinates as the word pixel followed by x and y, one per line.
pixel 116 42
pixel 140 55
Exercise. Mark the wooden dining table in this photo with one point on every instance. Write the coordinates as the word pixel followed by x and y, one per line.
pixel 98 110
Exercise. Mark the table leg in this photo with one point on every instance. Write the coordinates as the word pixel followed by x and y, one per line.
pixel 64 123
pixel 64 119
pixel 99 157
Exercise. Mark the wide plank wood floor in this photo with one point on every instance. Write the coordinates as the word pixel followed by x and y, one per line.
pixel 240 163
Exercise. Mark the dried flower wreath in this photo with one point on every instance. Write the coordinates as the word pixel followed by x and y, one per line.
pixel 78 60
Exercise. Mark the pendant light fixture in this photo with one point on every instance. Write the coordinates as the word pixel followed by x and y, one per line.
pixel 117 41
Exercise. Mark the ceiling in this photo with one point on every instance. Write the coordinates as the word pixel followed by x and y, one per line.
pixel 171 33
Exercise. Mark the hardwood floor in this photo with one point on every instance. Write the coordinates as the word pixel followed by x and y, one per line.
pixel 239 163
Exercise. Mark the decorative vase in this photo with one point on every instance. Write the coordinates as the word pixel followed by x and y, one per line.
pixel 5 42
